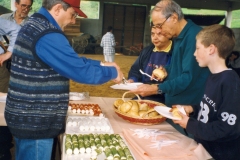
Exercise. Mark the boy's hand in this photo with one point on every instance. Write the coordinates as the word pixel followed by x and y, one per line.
pixel 188 109
pixel 183 122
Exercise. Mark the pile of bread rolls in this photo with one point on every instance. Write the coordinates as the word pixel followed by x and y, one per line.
pixel 135 109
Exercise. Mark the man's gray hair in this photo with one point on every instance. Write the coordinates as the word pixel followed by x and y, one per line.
pixel 167 8
pixel 48 4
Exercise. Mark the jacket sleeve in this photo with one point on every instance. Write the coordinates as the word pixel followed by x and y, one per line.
pixel 9 29
pixel 63 59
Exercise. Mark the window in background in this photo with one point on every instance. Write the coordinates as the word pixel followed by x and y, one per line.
pixel 35 7
pixel 91 9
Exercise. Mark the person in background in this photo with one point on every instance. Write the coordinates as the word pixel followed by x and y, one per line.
pixel 215 121
pixel 43 61
pixel 151 57
pixel 108 43
pixel 234 62
pixel 185 80
pixel 20 16
pixel 9 29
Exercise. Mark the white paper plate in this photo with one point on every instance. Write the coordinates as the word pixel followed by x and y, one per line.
pixel 128 86
pixel 164 111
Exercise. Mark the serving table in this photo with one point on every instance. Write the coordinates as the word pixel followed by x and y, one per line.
pixel 188 148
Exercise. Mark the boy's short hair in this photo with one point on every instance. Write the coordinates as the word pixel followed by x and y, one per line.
pixel 220 36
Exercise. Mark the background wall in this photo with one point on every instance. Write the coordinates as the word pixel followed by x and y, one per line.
pixel 237 35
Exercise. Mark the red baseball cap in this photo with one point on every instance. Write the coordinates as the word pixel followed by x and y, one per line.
pixel 75 4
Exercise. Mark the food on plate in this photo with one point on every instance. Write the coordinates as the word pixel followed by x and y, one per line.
pixel 159 73
pixel 175 113
pixel 85 109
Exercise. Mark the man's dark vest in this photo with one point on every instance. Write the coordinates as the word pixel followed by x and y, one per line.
pixel 38 96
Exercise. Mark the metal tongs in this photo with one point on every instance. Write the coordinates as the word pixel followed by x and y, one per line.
pixel 147 75
pixel 124 81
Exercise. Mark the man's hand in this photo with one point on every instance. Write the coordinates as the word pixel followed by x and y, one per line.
pixel 145 90
pixel 120 74
pixel 4 57
pixel 183 122
pixel 130 81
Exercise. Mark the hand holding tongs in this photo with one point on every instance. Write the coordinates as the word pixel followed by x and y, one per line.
pixel 147 75
pixel 124 81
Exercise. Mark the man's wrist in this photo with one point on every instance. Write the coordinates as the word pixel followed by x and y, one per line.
pixel 102 63
pixel 159 91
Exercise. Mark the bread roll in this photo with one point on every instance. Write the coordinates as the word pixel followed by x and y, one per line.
pixel 175 113
pixel 125 107
pixel 118 103
pixel 159 73
pixel 143 106
pixel 142 113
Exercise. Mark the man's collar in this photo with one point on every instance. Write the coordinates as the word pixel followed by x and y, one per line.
pixel 164 50
pixel 45 12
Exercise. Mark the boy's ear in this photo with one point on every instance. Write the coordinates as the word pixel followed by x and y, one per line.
pixel 212 49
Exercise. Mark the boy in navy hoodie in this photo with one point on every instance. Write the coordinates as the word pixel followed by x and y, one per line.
pixel 215 122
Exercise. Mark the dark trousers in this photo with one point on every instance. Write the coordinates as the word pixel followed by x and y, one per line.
pixel 5 143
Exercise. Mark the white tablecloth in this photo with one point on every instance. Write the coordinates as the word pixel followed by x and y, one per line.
pixel 118 125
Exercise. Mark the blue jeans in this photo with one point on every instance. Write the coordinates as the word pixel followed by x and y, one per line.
pixel 33 149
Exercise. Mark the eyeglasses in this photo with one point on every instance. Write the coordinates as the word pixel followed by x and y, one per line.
pixel 160 25
pixel 24 6
pixel 74 15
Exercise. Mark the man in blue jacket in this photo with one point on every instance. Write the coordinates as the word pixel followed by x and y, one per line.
pixel 42 64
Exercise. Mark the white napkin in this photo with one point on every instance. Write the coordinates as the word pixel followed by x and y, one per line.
pixel 181 109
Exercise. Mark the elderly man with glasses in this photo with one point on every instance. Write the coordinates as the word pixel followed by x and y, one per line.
pixel 20 16
pixel 185 82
